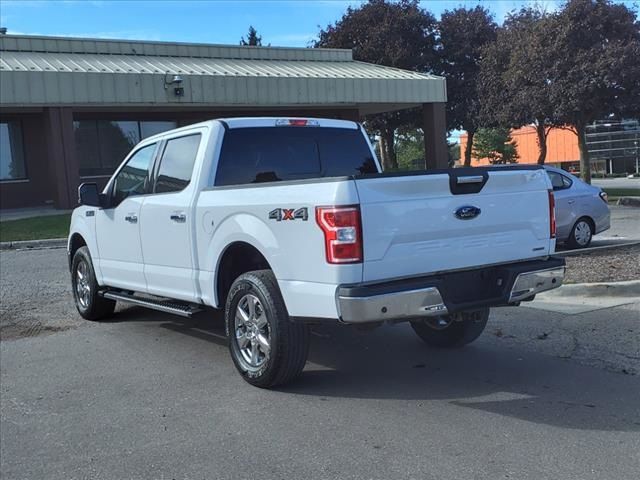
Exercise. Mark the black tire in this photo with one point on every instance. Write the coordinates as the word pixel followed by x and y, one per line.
pixel 91 306
pixel 288 341
pixel 452 331
pixel 581 233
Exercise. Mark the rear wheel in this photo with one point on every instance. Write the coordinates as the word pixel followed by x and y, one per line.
pixel 266 347
pixel 90 305
pixel 581 234
pixel 451 331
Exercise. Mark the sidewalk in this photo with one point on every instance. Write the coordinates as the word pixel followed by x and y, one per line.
pixel 20 213
pixel 573 299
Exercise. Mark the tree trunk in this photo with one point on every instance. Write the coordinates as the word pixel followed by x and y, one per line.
pixel 387 146
pixel 542 142
pixel 585 162
pixel 468 147
pixel 382 145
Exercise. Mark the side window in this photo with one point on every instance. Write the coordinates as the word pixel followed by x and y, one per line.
pixel 559 182
pixel 177 163
pixel 556 180
pixel 132 179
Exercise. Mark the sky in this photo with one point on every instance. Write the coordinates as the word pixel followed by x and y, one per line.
pixel 280 22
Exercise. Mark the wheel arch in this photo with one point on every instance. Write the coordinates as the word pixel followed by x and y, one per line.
pixel 76 241
pixel 237 257
pixel 590 220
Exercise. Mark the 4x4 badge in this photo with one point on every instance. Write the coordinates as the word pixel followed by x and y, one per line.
pixel 279 214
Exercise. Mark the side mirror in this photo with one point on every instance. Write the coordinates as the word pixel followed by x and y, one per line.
pixel 88 195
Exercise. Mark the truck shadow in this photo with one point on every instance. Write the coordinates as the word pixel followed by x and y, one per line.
pixel 391 363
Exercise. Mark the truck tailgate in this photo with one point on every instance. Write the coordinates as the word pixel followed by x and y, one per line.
pixel 412 224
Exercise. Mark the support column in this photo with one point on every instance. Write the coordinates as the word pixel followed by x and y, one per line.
pixel 436 154
pixel 64 168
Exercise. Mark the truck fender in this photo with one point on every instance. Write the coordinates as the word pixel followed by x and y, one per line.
pixel 85 227
pixel 246 228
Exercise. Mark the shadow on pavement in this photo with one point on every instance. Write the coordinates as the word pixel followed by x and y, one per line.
pixel 391 363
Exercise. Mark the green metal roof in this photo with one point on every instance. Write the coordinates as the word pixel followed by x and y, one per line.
pixel 64 71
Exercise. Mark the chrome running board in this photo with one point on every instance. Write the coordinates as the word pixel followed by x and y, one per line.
pixel 168 306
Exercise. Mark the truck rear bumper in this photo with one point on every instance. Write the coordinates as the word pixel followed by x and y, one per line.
pixel 449 292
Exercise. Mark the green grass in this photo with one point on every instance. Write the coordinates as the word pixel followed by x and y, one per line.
pixel 622 192
pixel 36 228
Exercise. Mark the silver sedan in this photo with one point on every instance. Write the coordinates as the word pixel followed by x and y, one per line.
pixel 581 209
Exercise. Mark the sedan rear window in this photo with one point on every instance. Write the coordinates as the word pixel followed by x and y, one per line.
pixel 270 154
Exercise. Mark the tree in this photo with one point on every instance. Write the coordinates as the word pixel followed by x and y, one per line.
pixel 396 34
pixel 596 68
pixel 463 34
pixel 496 145
pixel 410 150
pixel 513 86
pixel 454 153
pixel 253 39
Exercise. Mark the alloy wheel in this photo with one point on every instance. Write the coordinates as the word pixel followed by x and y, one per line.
pixel 252 332
pixel 83 287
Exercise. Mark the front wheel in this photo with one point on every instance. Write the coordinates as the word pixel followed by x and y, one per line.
pixel 89 303
pixel 453 330
pixel 266 347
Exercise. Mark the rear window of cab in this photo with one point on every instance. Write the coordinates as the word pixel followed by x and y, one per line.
pixel 271 154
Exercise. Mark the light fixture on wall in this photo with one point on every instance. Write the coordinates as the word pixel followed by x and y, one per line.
pixel 176 82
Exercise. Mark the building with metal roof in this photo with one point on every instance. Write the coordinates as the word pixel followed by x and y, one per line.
pixel 71 108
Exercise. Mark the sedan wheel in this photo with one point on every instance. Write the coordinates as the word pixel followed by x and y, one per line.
pixel 581 234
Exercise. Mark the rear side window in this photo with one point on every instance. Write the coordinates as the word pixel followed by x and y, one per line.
pixel 559 182
pixel 270 154
pixel 177 163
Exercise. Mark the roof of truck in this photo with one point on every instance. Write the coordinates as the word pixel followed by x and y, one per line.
pixel 249 122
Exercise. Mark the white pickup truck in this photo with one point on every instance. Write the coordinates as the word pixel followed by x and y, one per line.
pixel 283 222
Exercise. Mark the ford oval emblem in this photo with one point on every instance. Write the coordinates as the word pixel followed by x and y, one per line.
pixel 467 212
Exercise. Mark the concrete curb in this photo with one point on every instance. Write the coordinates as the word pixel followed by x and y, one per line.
pixel 34 244
pixel 629 201
pixel 584 251
pixel 629 288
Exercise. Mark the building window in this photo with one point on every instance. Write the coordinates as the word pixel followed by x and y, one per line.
pixel 101 145
pixel 11 152
pixel 148 129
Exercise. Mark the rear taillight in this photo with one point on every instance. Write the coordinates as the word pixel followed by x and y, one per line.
pixel 604 197
pixel 342 233
pixel 552 215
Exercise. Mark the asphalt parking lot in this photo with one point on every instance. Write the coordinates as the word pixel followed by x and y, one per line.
pixel 150 396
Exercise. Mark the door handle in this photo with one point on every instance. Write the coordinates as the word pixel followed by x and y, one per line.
pixel 178 217
pixel 131 218
pixel 571 201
